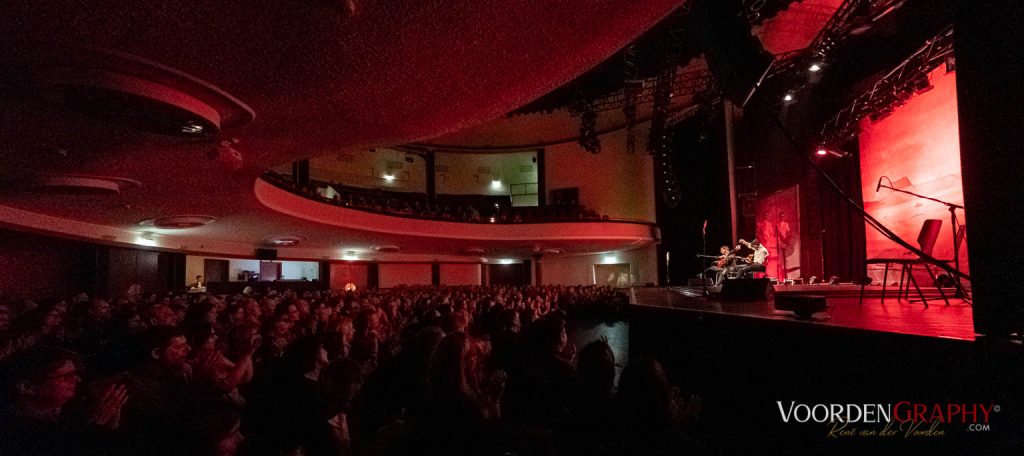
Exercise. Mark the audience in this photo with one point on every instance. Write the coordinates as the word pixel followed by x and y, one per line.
pixel 408 370
pixel 460 208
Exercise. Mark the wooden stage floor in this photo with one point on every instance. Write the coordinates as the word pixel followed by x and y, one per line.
pixel 894 316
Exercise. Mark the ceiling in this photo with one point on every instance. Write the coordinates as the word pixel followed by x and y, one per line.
pixel 320 78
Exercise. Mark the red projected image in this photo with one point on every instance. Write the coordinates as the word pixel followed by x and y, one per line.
pixel 778 229
pixel 917 147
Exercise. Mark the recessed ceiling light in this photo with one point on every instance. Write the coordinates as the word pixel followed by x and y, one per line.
pixel 284 240
pixel 178 222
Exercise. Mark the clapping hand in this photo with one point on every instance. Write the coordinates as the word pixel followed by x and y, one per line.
pixel 107 412
pixel 569 352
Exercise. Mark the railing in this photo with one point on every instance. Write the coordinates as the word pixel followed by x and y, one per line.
pixel 482 209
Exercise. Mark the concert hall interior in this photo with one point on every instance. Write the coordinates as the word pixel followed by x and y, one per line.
pixel 360 227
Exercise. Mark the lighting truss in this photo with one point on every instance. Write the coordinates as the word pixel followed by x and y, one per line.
pixel 850 16
pixel 685 83
pixel 891 90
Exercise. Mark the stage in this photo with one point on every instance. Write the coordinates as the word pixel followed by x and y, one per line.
pixel 742 358
pixel 898 316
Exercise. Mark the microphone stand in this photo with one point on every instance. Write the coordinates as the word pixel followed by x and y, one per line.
pixel 960 293
pixel 704 261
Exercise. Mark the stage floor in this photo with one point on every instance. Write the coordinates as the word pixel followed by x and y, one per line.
pixel 894 316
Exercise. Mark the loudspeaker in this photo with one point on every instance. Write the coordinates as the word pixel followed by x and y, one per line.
pixel 804 306
pixel 735 57
pixel 266 254
pixel 745 289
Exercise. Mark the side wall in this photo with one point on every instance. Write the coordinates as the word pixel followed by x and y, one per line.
pixel 33 266
pixel 579 270
pixel 613 182
pixel 290 270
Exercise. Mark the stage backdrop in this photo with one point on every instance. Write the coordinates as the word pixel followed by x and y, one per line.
pixel 918 148
pixel 778 229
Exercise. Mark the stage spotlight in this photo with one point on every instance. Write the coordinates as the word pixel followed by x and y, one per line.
pixel 921 84
pixel 815 68
pixel 788 97
pixel 389 177
pixel 822 151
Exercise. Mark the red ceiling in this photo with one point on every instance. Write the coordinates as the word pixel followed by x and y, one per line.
pixel 319 81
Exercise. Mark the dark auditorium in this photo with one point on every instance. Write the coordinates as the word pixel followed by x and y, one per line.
pixel 511 228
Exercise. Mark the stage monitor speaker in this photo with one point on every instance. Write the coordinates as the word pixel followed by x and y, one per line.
pixel 804 306
pixel 745 289
pixel 266 254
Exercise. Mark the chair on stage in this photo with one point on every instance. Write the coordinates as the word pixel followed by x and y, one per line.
pixel 926 242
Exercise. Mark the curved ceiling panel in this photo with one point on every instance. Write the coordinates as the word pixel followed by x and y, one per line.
pixel 318 77
pixel 395 71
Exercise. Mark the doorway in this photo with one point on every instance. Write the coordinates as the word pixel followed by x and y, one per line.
pixel 215 270
pixel 270 271
pixel 613 275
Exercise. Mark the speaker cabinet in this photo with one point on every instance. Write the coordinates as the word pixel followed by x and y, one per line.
pixel 266 254
pixel 735 57
pixel 804 306
pixel 746 289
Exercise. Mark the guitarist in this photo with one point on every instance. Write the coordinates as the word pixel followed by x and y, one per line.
pixel 723 264
pixel 757 262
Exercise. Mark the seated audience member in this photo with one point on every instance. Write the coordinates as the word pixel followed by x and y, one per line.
pixel 289 413
pixel 409 370
pixel 649 413
pixel 161 395
pixel 592 407
pixel 463 407
pixel 337 386
pixel 37 387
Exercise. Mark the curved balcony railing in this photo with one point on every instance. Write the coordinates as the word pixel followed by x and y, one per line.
pixel 600 233
pixel 484 209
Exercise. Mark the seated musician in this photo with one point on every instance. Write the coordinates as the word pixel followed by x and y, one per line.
pixel 757 262
pixel 723 264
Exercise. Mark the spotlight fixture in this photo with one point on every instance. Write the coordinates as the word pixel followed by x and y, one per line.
pixel 823 149
pixel 815 68
pixel 389 177
pixel 922 84
pixel 496 184
pixel 821 152
pixel 788 97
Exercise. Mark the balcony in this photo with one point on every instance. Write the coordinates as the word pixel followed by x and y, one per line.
pixel 476 218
